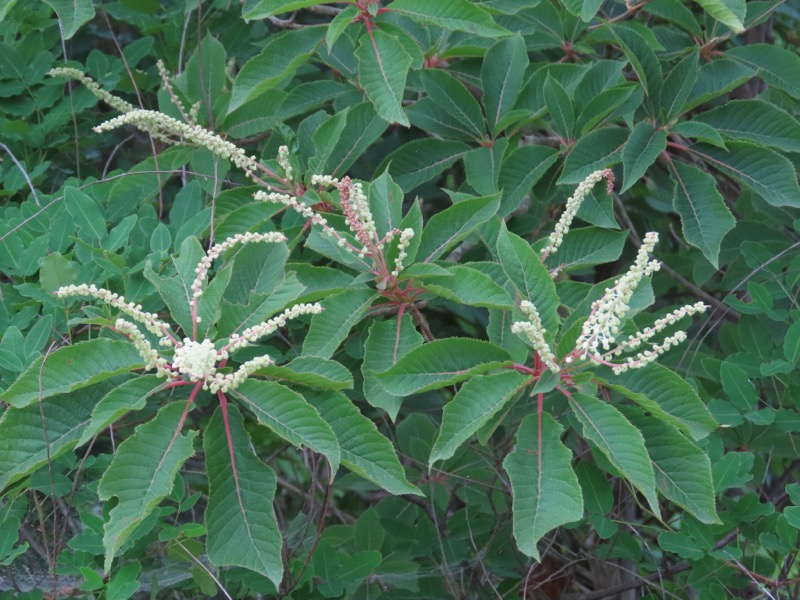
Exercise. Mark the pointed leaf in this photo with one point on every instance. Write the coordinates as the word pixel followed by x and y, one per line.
pixel 775 65
pixel 456 15
pixel 501 77
pixel 72 14
pixel 383 66
pixel 520 171
pixel 641 151
pixel 261 9
pixel 728 12
pixel 559 105
pixel 544 487
pixel 440 363
pixel 619 441
pixel 470 287
pixel 241 523
pixel 478 400
pixel 754 120
pixel 596 150
pixel 329 328
pixel 86 213
pixel 71 368
pixel 311 371
pixel 288 415
pixel 447 228
pixel 454 97
pixel 705 217
pixel 365 451
pixel 419 161
pixel 679 84
pixel 142 474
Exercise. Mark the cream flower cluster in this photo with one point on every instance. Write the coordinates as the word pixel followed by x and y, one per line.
pixel 91 85
pixel 402 245
pixel 298 206
pixel 533 330
pixel 146 351
pixel 252 334
pixel 571 209
pixel 196 360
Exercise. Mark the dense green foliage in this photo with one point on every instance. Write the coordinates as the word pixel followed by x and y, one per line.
pixel 423 397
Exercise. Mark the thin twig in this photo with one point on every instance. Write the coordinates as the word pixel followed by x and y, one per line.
pixel 23 171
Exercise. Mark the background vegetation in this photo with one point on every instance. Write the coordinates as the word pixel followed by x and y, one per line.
pixel 477 118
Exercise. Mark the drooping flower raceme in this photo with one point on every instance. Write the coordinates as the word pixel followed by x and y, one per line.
pixel 199 361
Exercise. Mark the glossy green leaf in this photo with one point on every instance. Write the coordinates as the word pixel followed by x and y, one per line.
pixel 501 77
pixel 311 371
pixel 596 150
pixel 142 474
pixel 478 400
pixel 620 442
pixel 456 15
pixel 329 328
pixel 280 58
pixel 705 218
pixel 754 120
pixel 447 228
pixel 71 368
pixel 640 151
pixel 545 490
pixel 338 24
pixel 383 66
pixel 728 12
pixel 419 161
pixel 454 97
pixel 72 14
pixel 440 363
pixel 365 451
pixel 241 523
pixel 471 287
pixel 775 65
pixel 601 106
pixel 520 170
pixel 587 246
pixel 288 415
pixel 261 9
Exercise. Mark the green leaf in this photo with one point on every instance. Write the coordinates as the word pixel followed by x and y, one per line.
pixel 38 335
pixel 71 368
pixel 642 58
pixel 72 14
pixel 482 167
pixel 525 270
pixel 667 395
pixel 447 228
pixel 418 161
pixel 699 131
pixel 737 386
pixel 775 65
pixel 705 218
pixel 682 470
pixel 364 450
pixel 142 474
pixel 734 469
pixel 242 528
pixel 440 363
pixel 86 212
pixel 641 151
pixel 559 105
pixel 520 171
pixel 338 24
pixel 471 287
pixel 387 342
pixel 23 445
pixel 715 79
pixel 329 328
pixel 287 414
pixel 281 56
pixel 545 490
pixel 754 120
pixel 603 105
pixel 454 97
pixel 456 15
pixel 619 441
pixel 728 12
pixel 791 342
pixel 128 396
pixel 596 150
pixel 678 85
pixel 311 371
pixel 55 271
pixel 502 74
pixel 478 400
pixel 383 66
pixel 261 9
pixel 431 117
pixel 588 246
pixel 766 172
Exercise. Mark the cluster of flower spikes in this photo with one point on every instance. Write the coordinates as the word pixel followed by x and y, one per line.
pixel 597 341
pixel 198 361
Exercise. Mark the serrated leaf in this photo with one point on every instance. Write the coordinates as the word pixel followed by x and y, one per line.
pixel 72 14
pixel 329 328
pixel 440 363
pixel 311 371
pixel 278 60
pixel 478 400
pixel 705 218
pixel 241 523
pixel 715 79
pixel 526 272
pixel 545 490
pixel 559 105
pixel 288 415
pixel 520 171
pixel 502 74
pixel 701 132
pixel 596 150
pixel 642 58
pixel 678 85
pixel 754 120
pixel 640 151
pixel 142 474
pixel 587 246
pixel 456 15
pixel 775 65
pixel 261 9
pixel 619 441
pixel 383 66
pixel 453 224
pixel 71 368
pixel 470 287
pixel 365 451
pixel 664 393
pixel 766 172
pixel 454 97
pixel 728 12
pixel 338 24
pixel 418 161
